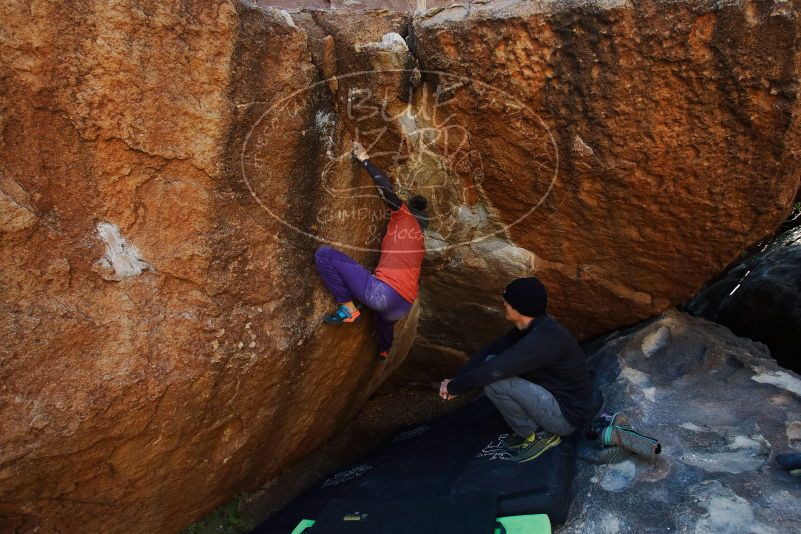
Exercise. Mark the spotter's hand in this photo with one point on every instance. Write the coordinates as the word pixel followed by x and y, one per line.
pixel 443 390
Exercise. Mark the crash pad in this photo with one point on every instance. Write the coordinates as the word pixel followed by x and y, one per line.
pixel 459 453
pixel 516 524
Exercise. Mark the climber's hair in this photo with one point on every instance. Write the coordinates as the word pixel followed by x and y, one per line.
pixel 417 205
pixel 418 202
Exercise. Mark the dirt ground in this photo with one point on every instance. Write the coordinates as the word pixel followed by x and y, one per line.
pixel 383 415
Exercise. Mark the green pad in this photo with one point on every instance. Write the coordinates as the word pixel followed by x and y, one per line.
pixel 303 525
pixel 525 524
pixel 514 524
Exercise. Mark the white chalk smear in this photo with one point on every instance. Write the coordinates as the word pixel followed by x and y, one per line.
pixel 610 524
pixel 744 442
pixel 287 18
pixel 618 477
pixel 748 455
pixel 121 258
pixel 779 379
pixel 727 512
pixel 638 378
pixel 392 42
pixel 655 341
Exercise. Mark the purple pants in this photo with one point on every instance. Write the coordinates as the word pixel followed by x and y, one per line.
pixel 348 280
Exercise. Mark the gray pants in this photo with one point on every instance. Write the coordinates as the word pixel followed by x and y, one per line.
pixel 526 407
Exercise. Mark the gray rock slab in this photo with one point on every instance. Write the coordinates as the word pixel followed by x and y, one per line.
pixel 722 409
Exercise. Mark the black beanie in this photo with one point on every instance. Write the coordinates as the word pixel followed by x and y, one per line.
pixel 527 296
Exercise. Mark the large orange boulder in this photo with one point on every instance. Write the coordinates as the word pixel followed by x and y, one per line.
pixel 161 202
pixel 624 153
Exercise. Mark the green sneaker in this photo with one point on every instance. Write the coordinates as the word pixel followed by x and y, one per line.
pixel 533 449
pixel 513 441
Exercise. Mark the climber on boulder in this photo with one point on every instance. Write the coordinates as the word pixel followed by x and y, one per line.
pixel 535 375
pixel 391 291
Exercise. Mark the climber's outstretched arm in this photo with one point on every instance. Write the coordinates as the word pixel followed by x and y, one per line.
pixel 384 184
pixel 382 181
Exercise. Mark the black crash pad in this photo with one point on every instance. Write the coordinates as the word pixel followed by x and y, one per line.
pixel 471 513
pixel 456 454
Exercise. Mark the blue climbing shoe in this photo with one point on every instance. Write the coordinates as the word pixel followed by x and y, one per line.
pixel 342 315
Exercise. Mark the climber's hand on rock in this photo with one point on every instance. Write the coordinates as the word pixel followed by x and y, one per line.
pixel 443 390
pixel 359 152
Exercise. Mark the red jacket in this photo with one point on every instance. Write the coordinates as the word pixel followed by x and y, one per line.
pixel 402 252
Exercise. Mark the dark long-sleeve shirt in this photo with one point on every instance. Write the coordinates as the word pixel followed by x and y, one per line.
pixel 384 184
pixel 545 353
